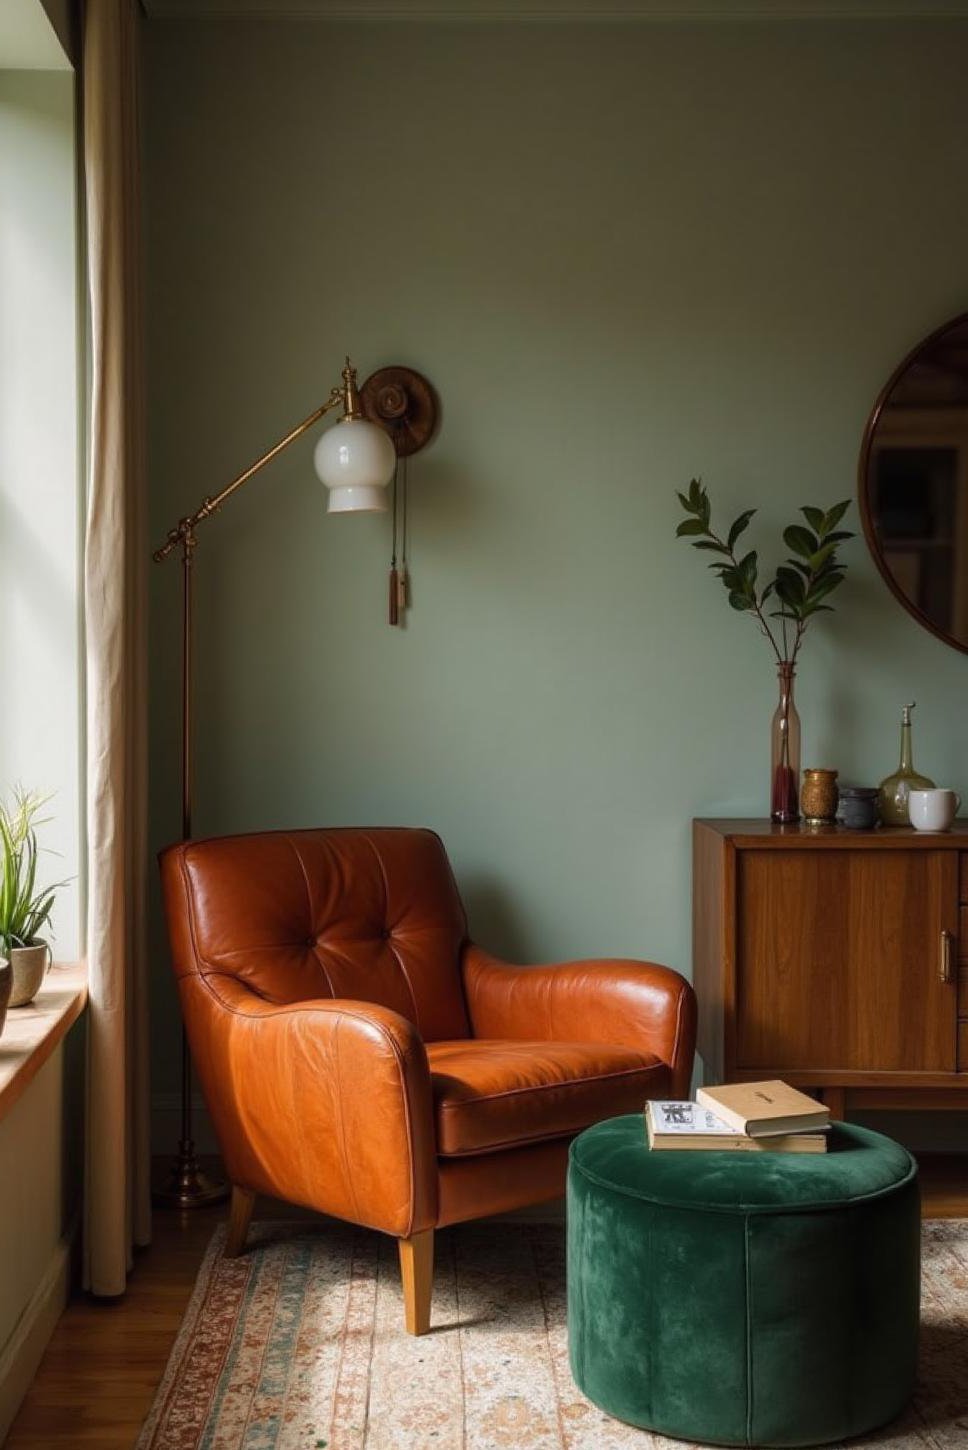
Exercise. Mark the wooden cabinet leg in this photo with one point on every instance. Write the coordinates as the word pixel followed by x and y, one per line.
pixel 417 1274
pixel 836 1100
pixel 240 1215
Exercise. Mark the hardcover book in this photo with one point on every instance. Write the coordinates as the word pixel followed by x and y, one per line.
pixel 763 1109
pixel 690 1126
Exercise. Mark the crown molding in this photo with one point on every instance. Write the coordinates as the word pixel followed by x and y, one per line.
pixel 561 10
pixel 28 40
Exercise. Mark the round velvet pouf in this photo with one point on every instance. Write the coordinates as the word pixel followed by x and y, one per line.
pixel 743 1298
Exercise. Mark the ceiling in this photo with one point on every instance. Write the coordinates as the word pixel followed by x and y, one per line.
pixel 27 39
pixel 565 9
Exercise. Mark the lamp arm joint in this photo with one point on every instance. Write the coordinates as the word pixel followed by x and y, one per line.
pixel 183 534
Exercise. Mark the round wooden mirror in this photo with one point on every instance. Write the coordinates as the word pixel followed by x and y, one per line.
pixel 914 482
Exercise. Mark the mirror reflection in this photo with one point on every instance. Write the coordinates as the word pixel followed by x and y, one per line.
pixel 914 483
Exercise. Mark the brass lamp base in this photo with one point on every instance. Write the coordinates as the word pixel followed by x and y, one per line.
pixel 188 1185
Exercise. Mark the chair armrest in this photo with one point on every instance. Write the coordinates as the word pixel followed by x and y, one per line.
pixel 325 1103
pixel 628 1003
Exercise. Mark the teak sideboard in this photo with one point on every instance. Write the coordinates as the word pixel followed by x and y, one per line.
pixel 835 959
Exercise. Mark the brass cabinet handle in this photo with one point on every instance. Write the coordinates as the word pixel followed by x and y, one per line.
pixel 946 941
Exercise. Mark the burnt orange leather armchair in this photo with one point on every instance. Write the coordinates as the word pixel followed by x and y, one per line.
pixel 361 1057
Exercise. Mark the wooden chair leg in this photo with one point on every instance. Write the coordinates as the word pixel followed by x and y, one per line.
pixel 417 1273
pixel 240 1215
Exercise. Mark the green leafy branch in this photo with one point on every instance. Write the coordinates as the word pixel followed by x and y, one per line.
pixel 799 586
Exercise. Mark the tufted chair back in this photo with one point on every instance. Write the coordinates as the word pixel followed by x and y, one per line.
pixel 371 915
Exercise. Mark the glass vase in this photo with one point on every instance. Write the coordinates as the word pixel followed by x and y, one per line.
pixel 895 789
pixel 785 752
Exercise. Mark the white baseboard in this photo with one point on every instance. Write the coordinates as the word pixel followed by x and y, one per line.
pixel 166 1125
pixel 23 1351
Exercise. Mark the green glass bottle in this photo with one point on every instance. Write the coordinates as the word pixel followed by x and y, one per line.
pixel 892 798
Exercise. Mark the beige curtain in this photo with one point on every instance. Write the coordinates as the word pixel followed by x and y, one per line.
pixel 117 1208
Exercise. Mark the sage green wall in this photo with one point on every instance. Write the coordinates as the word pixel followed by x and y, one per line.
pixel 625 254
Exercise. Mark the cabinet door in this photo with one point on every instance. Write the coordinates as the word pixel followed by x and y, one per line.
pixel 838 959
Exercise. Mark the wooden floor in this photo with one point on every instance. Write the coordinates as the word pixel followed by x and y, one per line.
pixel 101 1368
pixel 944 1185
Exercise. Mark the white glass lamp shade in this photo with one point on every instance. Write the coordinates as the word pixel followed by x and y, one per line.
pixel 355 459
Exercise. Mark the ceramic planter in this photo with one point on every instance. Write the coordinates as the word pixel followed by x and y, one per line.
pixel 6 982
pixel 28 967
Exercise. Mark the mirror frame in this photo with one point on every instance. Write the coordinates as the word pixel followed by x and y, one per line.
pixel 863 482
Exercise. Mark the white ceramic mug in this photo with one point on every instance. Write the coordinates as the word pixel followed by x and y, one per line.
pixel 933 810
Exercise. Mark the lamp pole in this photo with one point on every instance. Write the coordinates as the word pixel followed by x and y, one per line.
pixel 187 1184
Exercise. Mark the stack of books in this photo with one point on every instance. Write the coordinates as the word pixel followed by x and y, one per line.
pixel 748 1117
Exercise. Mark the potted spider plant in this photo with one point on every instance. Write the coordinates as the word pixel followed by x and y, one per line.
pixel 25 907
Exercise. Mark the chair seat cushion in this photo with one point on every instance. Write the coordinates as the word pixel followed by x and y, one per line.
pixel 494 1094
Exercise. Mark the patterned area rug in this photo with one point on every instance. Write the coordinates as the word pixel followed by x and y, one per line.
pixel 299 1345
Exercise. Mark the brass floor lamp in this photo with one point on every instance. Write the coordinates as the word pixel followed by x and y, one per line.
pixel 394 413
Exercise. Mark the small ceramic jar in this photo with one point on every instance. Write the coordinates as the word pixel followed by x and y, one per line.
pixel 818 797
pixel 858 807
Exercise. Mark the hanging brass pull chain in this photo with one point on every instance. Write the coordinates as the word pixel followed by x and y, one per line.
pixel 394 576
pixel 403 582
pixel 399 578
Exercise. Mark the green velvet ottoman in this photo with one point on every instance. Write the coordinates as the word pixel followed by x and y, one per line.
pixel 743 1298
